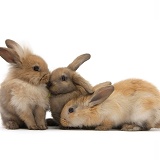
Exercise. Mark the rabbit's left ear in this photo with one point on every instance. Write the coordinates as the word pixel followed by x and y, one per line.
pixel 101 85
pixel 100 95
pixel 80 81
pixel 12 53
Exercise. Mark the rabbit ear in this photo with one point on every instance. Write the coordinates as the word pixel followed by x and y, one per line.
pixel 100 95
pixel 78 61
pixel 80 81
pixel 9 55
pixel 13 45
pixel 103 84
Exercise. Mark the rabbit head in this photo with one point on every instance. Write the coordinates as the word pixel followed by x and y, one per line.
pixel 24 65
pixel 65 80
pixel 83 111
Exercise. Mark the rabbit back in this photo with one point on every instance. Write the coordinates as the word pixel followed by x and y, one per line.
pixel 134 101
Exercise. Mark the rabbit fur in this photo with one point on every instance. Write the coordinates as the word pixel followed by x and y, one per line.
pixel 65 84
pixel 132 104
pixel 24 96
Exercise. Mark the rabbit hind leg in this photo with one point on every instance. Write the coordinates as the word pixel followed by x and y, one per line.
pixel 135 127
pixel 11 125
pixel 10 121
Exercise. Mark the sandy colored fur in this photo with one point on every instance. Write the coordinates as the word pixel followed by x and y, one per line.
pixel 134 102
pixel 130 86
pixel 23 94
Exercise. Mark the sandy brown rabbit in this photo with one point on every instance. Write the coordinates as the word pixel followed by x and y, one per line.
pixel 23 94
pixel 66 84
pixel 133 104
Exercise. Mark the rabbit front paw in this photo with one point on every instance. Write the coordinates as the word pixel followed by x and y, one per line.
pixel 33 127
pixel 42 127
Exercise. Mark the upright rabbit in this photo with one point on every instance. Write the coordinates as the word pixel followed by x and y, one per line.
pixel 65 84
pixel 23 94
pixel 134 105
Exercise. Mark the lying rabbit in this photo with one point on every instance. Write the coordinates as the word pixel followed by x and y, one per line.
pixel 133 104
pixel 66 84
pixel 23 94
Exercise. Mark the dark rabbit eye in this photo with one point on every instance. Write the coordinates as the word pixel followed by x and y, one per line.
pixel 71 110
pixel 63 78
pixel 36 68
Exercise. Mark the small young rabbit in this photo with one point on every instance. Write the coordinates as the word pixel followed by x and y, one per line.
pixel 134 105
pixel 65 84
pixel 23 94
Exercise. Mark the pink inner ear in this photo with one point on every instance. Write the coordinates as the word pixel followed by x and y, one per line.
pixel 10 60
pixel 7 55
pixel 101 95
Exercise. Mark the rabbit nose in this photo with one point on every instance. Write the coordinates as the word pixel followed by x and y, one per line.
pixel 49 84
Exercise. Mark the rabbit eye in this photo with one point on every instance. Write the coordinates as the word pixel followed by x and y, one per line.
pixel 71 110
pixel 36 68
pixel 63 78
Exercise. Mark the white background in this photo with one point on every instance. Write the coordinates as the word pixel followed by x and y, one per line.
pixel 123 38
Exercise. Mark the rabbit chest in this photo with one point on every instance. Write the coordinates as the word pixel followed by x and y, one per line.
pixel 23 94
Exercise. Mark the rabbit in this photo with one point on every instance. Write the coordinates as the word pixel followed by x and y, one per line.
pixel 66 84
pixel 132 104
pixel 24 96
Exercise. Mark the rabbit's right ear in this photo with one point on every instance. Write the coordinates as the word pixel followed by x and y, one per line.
pixel 80 81
pixel 9 55
pixel 13 45
pixel 100 95
pixel 78 61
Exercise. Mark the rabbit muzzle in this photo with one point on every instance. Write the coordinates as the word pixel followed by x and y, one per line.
pixel 45 78
pixel 64 122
